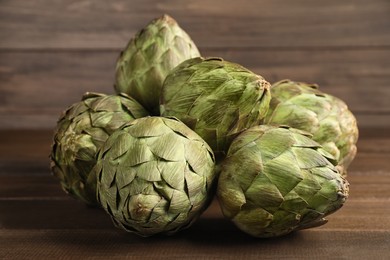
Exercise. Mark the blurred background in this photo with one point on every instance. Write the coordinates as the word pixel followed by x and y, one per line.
pixel 51 52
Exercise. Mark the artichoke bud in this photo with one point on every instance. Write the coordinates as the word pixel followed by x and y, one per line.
pixel 327 118
pixel 80 132
pixel 149 57
pixel 216 98
pixel 275 180
pixel 155 175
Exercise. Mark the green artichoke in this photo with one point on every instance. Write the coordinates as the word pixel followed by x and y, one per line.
pixel 155 175
pixel 327 118
pixel 81 130
pixel 149 57
pixel 275 180
pixel 216 98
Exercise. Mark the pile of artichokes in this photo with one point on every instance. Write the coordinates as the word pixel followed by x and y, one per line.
pixel 182 129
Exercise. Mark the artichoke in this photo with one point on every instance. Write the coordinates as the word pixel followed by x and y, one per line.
pixel 155 175
pixel 216 98
pixel 327 118
pixel 275 180
pixel 81 130
pixel 149 57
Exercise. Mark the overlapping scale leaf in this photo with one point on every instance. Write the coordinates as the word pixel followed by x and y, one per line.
pixel 156 176
pixel 274 180
pixel 81 131
pixel 327 118
pixel 216 98
pixel 149 57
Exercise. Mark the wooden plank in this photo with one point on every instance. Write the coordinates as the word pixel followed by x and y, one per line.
pixel 24 152
pixel 30 187
pixel 369 186
pixel 372 134
pixel 372 120
pixel 51 213
pixel 201 243
pixel 41 82
pixel 100 24
pixel 371 163
pixel 59 227
pixel 25 145
pixel 25 167
pixel 378 145
pixel 36 86
pixel 365 214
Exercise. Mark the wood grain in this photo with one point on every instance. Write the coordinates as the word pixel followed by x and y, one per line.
pixel 30 186
pixel 99 24
pixel 52 53
pixel 25 151
pixel 51 213
pixel 200 243
pixel 359 213
pixel 38 220
pixel 220 244
pixel 37 86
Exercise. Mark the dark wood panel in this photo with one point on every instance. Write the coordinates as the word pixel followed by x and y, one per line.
pixel 373 120
pixel 30 186
pixel 366 214
pixel 267 23
pixel 200 243
pixel 25 152
pixel 377 145
pixel 370 163
pixel 51 213
pixel 36 86
pixel 39 221
pixel 25 145
pixel 40 82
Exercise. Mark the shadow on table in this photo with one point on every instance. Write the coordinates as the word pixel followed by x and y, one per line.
pixel 213 232
pixel 222 232
pixel 207 237
pixel 206 231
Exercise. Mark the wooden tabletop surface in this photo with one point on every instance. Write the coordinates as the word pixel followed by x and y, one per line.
pixel 38 220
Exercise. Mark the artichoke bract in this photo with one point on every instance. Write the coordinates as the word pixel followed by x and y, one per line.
pixel 275 180
pixel 81 130
pixel 216 98
pixel 155 175
pixel 327 118
pixel 149 57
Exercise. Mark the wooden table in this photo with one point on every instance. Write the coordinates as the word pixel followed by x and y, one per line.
pixel 38 220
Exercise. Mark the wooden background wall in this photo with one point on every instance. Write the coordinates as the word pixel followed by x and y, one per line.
pixel 52 51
